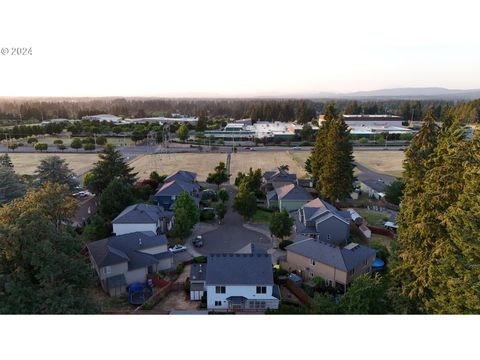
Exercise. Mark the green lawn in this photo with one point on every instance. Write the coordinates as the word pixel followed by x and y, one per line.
pixel 372 217
pixel 384 240
pixel 262 216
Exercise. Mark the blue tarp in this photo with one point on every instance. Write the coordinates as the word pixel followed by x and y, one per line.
pixel 378 263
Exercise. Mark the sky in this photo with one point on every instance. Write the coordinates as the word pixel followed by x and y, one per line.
pixel 236 48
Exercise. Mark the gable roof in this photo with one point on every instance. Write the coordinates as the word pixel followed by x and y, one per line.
pixel 251 248
pixel 175 188
pixel 292 192
pixel 139 214
pixel 320 210
pixel 239 269
pixel 279 174
pixel 343 258
pixel 378 186
pixel 182 175
pixel 126 248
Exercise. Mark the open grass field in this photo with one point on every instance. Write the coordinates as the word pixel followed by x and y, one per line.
pixel 264 160
pixel 385 162
pixel 202 164
pixel 25 164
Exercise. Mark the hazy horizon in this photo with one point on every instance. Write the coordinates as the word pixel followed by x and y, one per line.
pixel 236 49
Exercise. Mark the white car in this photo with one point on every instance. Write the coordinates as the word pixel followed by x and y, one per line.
pixel 177 248
pixel 296 148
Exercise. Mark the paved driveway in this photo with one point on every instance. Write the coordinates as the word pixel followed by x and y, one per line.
pixel 231 236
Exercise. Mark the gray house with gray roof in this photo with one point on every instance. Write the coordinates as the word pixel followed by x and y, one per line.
pixel 142 217
pixel 168 192
pixel 337 265
pixel 126 259
pixel 323 221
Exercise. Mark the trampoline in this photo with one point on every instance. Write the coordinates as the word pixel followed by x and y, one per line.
pixel 138 294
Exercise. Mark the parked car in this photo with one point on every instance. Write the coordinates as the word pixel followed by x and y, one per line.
pixel 177 248
pixel 198 241
pixel 296 148
pixel 81 194
pixel 252 149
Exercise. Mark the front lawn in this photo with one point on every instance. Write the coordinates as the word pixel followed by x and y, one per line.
pixel 262 216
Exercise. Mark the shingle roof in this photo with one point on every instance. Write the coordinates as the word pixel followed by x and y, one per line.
pixel 292 192
pixel 279 174
pixel 198 272
pixel 318 208
pixel 176 187
pixel 139 214
pixel 239 269
pixel 343 258
pixel 128 247
pixel 182 175
pixel 376 185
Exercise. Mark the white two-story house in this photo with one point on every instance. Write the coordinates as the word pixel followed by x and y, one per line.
pixel 142 217
pixel 240 282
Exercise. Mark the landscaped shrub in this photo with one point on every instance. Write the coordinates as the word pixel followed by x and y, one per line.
pixel 200 260
pixel 179 269
pixel 89 146
pixel 207 215
pixel 284 243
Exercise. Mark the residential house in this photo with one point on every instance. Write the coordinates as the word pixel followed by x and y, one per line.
pixel 337 265
pixel 142 217
pixel 277 178
pixel 126 259
pixel 323 221
pixel 182 175
pixel 174 185
pixel 374 188
pixel 237 282
pixel 289 197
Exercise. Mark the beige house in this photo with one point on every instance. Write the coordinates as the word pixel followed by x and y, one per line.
pixel 338 266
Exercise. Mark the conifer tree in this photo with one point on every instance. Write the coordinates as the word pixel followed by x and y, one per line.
pixel 110 166
pixel 332 159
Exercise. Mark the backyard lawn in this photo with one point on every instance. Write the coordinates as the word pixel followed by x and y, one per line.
pixel 262 216
pixel 372 217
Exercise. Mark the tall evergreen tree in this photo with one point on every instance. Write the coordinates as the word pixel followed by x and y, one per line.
pixel 437 250
pixel 55 170
pixel 332 159
pixel 110 166
pixel 5 161
pixel 11 185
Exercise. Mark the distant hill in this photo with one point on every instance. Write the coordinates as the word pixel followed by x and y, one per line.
pixel 407 94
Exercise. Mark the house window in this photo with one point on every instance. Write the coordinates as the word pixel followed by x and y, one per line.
pixel 329 237
pixel 106 270
pixel 220 289
pixel 218 303
pixel 312 261
pixel 261 289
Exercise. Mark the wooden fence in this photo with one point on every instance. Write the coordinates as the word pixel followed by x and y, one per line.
pixel 298 292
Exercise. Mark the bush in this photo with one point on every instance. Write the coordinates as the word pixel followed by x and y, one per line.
pixel 58 142
pixel 179 269
pixel 200 260
pixel 207 215
pixel 32 140
pixel 41 146
pixel 89 146
pixel 101 140
pixel 284 243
